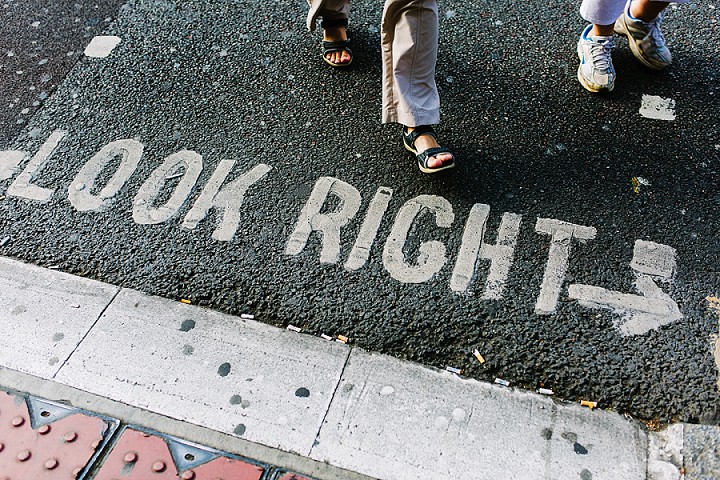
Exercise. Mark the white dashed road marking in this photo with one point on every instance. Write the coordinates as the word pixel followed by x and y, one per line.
pixel 657 108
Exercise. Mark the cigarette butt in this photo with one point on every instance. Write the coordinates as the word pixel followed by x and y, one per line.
pixel 545 391
pixel 4 240
pixel 247 316
pixel 185 301
pixel 170 177
pixel 75 305
pixel 480 358
pixel 457 371
pixel 590 405
pixel 502 382
pixel 343 339
pixel 293 328
pixel 2 197
pixel 325 337
pixel 53 267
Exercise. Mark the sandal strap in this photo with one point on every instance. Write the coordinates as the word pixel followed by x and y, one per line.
pixel 333 22
pixel 420 130
pixel 424 156
pixel 339 46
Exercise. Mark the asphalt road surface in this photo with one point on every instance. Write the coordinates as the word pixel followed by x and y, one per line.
pixel 208 153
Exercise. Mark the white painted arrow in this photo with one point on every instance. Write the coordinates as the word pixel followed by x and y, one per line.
pixel 638 314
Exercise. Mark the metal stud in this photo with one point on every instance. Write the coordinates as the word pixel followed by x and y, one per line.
pixel 18 422
pixel 130 457
pixel 158 466
pixel 24 456
pixel 70 437
pixel 44 430
pixel 51 463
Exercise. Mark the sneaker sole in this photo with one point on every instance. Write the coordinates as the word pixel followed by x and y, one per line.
pixel 593 88
pixel 622 29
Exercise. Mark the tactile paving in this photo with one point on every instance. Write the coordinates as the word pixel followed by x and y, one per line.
pixel 139 454
pixel 40 439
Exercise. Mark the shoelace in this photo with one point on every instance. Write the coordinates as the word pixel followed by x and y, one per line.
pixel 601 54
pixel 654 34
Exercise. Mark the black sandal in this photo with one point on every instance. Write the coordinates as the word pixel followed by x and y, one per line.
pixel 339 46
pixel 423 157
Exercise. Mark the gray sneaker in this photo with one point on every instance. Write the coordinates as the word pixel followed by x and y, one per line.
pixel 645 39
pixel 596 72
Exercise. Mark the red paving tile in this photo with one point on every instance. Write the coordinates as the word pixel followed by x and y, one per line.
pixel 141 456
pixel 58 450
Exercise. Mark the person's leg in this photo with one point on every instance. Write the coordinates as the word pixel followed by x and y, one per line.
pixel 409 48
pixel 596 72
pixel 334 14
pixel 647 10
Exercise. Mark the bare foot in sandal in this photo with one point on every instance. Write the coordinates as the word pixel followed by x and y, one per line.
pixel 335 43
pixel 431 156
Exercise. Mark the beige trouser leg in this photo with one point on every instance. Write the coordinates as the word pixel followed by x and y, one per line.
pixel 328 9
pixel 409 50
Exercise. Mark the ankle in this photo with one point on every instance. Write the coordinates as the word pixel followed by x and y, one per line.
pixel 335 33
pixel 602 30
pixel 645 11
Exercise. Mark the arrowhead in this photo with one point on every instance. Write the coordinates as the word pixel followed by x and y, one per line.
pixel 638 314
pixel 635 314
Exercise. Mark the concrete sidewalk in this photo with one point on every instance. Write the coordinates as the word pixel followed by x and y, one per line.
pixel 319 407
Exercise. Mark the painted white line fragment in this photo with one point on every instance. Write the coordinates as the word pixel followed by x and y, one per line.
pixel 502 382
pixel 714 303
pixel 129 152
pixel 328 224
pixel 473 247
pixel 22 186
pixel 101 46
pixel 144 210
pixel 657 108
pixel 368 231
pixel 228 199
pixel 562 234
pixel 9 161
pixel 638 314
pixel 432 253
